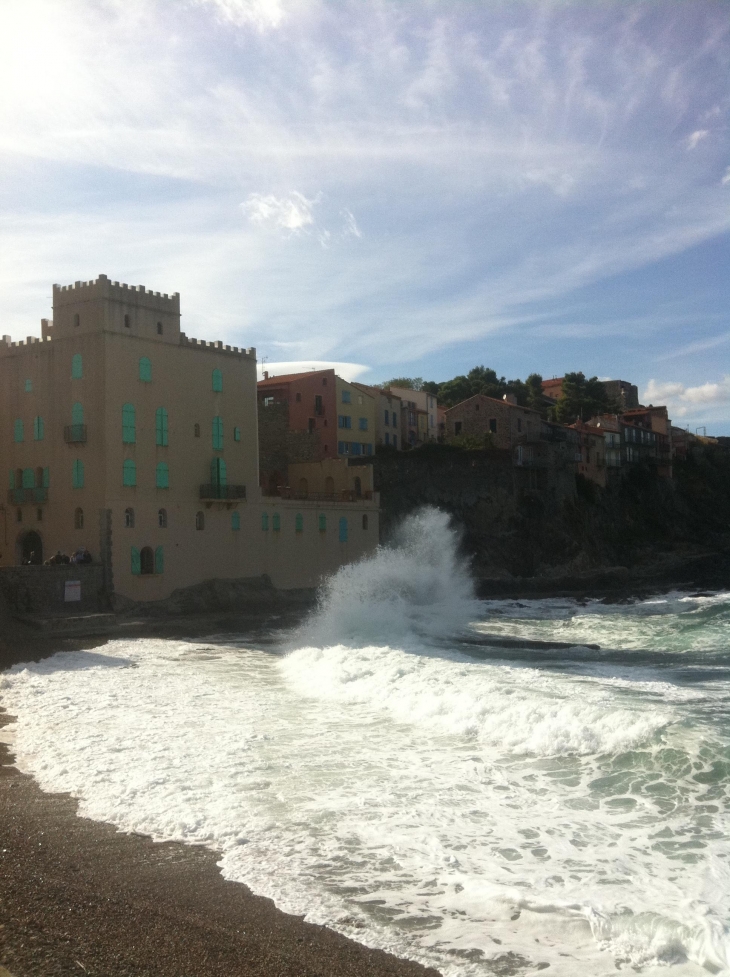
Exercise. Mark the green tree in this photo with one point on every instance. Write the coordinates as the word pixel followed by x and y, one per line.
pixel 408 383
pixel 582 399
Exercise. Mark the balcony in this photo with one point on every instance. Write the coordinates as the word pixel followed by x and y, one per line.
pixel 332 498
pixel 224 492
pixel 74 434
pixel 27 496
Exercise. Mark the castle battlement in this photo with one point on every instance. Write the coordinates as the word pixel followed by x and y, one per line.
pixel 217 347
pixel 102 287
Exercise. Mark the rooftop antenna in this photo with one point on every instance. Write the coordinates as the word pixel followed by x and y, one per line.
pixel 703 429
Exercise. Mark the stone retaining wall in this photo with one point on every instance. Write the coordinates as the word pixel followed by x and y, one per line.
pixel 40 590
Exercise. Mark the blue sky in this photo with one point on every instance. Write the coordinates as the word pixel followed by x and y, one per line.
pixel 399 188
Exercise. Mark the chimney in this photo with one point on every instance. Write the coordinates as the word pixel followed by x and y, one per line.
pixel 510 399
pixel 266 374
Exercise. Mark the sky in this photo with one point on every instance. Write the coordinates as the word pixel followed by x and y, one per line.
pixel 404 188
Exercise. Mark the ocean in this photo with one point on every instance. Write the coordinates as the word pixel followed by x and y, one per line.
pixel 488 787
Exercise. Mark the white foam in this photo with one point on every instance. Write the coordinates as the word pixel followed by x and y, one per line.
pixel 447 810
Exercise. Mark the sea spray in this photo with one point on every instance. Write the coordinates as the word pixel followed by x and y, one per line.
pixel 415 589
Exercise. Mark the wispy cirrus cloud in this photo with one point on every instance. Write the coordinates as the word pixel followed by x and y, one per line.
pixel 474 163
pixel 261 14
pixel 697 136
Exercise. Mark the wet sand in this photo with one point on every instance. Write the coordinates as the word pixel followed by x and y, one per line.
pixel 78 897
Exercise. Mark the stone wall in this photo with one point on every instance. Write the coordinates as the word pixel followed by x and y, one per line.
pixel 510 516
pixel 39 590
pixel 280 447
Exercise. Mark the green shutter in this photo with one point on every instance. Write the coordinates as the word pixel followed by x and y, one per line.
pixel 217 433
pixel 159 560
pixel 217 381
pixel 18 433
pixel 277 522
pixel 77 413
pixel 235 520
pixel 136 561
pixel 145 369
pixel 129 429
pixel 322 523
pixel 78 474
pixel 264 515
pixel 343 529
pixel 77 367
pixel 299 523
pixel 28 386
pixel 11 480
pixel 28 478
pixel 46 477
pixel 236 433
pixel 161 427
pixel 129 473
pixel 162 475
pixel 218 473
pixel 38 428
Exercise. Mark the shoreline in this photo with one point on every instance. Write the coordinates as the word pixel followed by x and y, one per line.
pixel 81 897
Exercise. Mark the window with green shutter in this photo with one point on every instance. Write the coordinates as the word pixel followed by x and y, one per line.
pixel 38 428
pixel 161 427
pixel 322 523
pixel 28 478
pixel 129 424
pixel 299 523
pixel 264 515
pixel 129 473
pixel 29 386
pixel 236 433
pixel 46 477
pixel 217 381
pixel 218 473
pixel 18 433
pixel 159 560
pixel 77 367
pixel 235 520
pixel 343 529
pixel 217 433
pixel 162 475
pixel 78 473
pixel 136 561
pixel 276 522
pixel 77 413
pixel 145 369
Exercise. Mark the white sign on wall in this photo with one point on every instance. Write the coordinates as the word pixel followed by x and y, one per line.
pixel 72 590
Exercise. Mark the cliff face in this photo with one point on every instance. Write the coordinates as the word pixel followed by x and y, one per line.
pixel 513 531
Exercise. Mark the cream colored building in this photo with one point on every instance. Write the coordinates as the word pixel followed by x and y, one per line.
pixel 121 434
pixel 388 409
pixel 355 420
pixel 415 401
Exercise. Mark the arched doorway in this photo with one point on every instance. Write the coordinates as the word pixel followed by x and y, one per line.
pixel 30 548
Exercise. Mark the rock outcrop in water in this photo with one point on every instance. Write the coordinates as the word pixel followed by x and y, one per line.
pixel 646 532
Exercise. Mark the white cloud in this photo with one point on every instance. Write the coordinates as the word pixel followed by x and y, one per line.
pixel 292 213
pixel 697 137
pixel 683 400
pixel 261 14
pixel 350 228
pixel 726 178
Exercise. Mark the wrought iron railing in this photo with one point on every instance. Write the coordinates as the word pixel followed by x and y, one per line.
pixel 22 496
pixel 74 433
pixel 212 491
